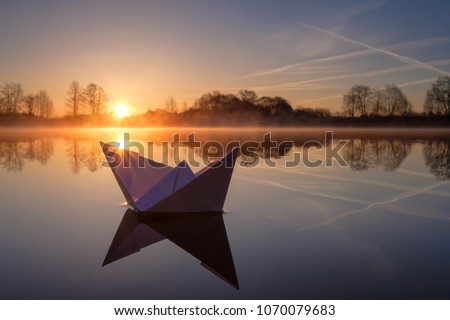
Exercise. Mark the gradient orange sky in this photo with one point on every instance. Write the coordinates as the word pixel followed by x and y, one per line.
pixel 141 52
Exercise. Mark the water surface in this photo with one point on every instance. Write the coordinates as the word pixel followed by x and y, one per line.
pixel 379 228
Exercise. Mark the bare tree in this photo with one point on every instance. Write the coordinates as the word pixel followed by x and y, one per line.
pixel 376 102
pixel 395 101
pixel 276 105
pixel 248 96
pixel 437 100
pixel 184 107
pixel 349 104
pixel 74 98
pixel 429 106
pixel 356 100
pixel 171 105
pixel 362 94
pixel 95 98
pixel 29 102
pixel 44 104
pixel 11 97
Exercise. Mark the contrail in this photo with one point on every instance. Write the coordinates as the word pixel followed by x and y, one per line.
pixel 297 84
pixel 345 56
pixel 363 9
pixel 323 98
pixel 413 83
pixel 300 85
pixel 296 65
pixel 400 57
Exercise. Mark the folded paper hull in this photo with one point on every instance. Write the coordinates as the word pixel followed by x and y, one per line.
pixel 150 186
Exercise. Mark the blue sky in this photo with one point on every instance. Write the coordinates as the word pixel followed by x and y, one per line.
pixel 141 52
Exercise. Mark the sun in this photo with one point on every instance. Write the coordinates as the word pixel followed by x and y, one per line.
pixel 121 111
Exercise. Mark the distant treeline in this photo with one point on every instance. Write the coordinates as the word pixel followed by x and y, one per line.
pixel 362 106
pixel 390 100
pixel 15 103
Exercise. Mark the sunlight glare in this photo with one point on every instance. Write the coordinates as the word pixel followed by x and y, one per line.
pixel 121 140
pixel 121 111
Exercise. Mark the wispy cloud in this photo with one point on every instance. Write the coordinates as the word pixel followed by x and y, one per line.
pixel 361 8
pixel 346 56
pixel 403 58
pixel 304 63
pixel 337 96
pixel 303 84
pixel 415 83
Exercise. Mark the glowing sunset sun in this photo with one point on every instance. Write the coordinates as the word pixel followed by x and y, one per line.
pixel 121 111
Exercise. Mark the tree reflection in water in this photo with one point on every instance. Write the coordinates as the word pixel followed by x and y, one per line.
pixel 362 154
pixel 84 154
pixel 15 153
pixel 437 158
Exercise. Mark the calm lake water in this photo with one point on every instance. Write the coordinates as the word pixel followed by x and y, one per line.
pixel 378 228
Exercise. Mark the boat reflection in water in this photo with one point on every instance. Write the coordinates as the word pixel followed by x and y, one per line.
pixel 203 235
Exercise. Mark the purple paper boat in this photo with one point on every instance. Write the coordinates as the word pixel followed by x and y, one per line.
pixel 150 186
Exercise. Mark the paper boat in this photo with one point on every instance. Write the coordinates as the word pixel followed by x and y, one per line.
pixel 203 235
pixel 150 186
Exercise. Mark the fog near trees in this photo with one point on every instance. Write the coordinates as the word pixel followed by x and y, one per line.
pixel 361 105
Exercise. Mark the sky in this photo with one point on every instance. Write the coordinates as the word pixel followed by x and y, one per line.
pixel 141 52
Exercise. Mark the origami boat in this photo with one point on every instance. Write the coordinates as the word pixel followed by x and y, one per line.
pixel 150 186
pixel 203 235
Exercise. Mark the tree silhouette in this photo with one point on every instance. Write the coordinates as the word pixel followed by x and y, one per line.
pixel 376 102
pixel 30 104
pixel 356 100
pixel 349 104
pixel 44 104
pixel 171 105
pixel 361 101
pixel 95 98
pixel 248 96
pixel 275 106
pixel 437 100
pixel 74 98
pixel 395 101
pixel 11 97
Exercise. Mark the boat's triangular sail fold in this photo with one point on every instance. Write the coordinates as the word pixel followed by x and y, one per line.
pixel 155 187
pixel 211 186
